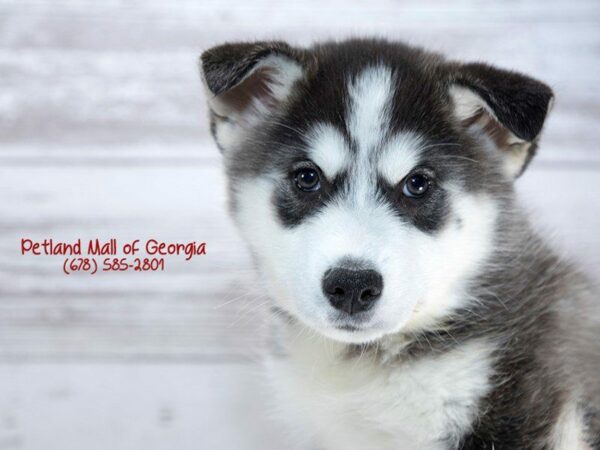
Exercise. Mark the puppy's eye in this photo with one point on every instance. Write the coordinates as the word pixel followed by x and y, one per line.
pixel 415 185
pixel 307 179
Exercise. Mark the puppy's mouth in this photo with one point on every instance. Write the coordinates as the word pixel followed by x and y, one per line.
pixel 349 328
pixel 354 322
pixel 354 335
pixel 355 329
pixel 361 328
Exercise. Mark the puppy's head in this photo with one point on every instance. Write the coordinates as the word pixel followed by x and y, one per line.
pixel 368 177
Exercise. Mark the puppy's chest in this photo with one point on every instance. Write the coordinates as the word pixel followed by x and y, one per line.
pixel 360 402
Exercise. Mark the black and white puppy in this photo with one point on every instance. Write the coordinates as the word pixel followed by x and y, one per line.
pixel 373 183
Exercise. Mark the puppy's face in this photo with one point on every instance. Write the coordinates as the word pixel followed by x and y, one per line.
pixel 367 177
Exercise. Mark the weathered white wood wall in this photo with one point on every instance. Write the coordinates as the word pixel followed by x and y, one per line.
pixel 103 133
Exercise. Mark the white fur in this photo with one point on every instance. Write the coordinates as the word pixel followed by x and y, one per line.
pixel 515 157
pixel 328 149
pixel 227 134
pixel 400 156
pixel 568 432
pixel 370 96
pixel 360 404
pixel 287 73
pixel 453 256
pixel 467 103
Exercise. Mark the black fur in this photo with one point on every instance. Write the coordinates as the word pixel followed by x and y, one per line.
pixel 519 102
pixel 226 65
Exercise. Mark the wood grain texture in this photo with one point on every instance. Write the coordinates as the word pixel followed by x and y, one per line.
pixel 95 406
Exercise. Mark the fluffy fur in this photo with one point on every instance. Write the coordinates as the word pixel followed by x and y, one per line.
pixel 482 338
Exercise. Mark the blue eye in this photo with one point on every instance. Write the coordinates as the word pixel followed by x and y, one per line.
pixel 416 185
pixel 307 180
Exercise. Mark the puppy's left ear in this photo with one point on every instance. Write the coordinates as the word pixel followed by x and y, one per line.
pixel 507 108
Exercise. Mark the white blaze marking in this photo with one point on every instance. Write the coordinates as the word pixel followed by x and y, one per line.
pixel 370 101
pixel 368 122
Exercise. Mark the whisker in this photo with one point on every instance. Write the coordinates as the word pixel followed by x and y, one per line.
pixel 228 302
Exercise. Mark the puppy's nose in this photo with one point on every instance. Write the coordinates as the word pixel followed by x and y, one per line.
pixel 352 290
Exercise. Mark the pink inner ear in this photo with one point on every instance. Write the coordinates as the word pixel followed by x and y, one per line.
pixel 500 135
pixel 256 86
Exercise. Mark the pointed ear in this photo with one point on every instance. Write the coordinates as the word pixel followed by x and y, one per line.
pixel 507 108
pixel 245 84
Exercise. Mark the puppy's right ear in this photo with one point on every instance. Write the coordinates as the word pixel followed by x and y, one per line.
pixel 246 83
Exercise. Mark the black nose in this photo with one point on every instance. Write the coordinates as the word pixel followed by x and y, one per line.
pixel 352 290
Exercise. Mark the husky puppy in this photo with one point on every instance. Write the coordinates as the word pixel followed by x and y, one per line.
pixel 416 307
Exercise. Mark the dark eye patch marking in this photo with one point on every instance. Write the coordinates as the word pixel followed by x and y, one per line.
pixel 428 213
pixel 294 205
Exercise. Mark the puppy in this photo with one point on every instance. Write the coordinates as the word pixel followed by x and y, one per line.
pixel 415 306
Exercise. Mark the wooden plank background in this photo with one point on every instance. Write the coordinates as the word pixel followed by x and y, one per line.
pixel 103 133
